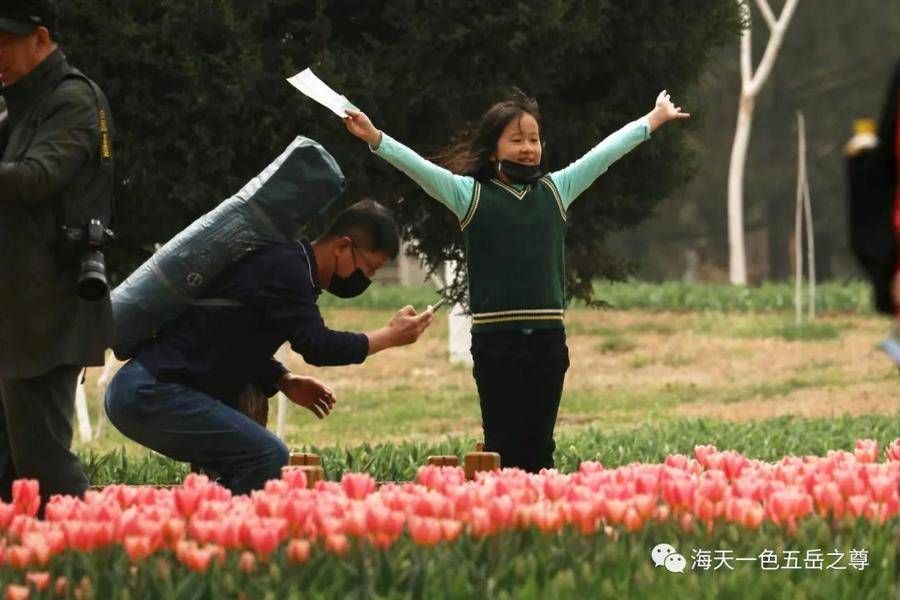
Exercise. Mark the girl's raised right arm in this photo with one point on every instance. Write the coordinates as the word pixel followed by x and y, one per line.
pixel 453 191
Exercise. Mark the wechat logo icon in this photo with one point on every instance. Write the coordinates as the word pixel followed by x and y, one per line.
pixel 665 555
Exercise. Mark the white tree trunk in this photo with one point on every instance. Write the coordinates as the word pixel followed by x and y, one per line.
pixel 409 268
pixel 281 356
pixel 751 84
pixel 810 242
pixel 803 213
pixel 459 325
pixel 111 365
pixel 81 412
pixel 798 221
pixel 737 262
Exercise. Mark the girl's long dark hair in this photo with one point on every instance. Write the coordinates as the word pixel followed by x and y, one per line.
pixel 469 155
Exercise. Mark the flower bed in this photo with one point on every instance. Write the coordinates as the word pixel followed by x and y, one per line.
pixel 198 536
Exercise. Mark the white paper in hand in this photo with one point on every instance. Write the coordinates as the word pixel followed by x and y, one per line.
pixel 307 82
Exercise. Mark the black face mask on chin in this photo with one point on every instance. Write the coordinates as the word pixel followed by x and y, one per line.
pixel 520 173
pixel 351 286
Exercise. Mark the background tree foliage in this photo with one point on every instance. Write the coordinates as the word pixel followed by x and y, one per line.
pixel 199 96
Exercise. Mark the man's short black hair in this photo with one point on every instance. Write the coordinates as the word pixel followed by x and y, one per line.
pixel 370 225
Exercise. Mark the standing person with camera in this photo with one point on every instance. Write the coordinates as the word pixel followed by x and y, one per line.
pixel 56 186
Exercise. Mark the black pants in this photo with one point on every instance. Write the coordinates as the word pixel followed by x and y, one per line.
pixel 520 379
pixel 36 433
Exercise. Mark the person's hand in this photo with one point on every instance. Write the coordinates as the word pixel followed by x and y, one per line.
pixel 359 125
pixel 665 111
pixel 668 109
pixel 308 392
pixel 406 326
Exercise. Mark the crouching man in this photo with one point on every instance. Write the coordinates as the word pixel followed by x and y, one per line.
pixel 179 393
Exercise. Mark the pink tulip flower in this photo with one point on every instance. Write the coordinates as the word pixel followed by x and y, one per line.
pixel 425 531
pixel 298 551
pixel 39 579
pixel 26 496
pixel 337 544
pixel 893 450
pixel 866 451
pixel 246 562
pixel 17 592
pixel 702 452
pixel 357 485
pixel 138 547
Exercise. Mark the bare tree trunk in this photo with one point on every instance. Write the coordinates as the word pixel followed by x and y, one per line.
pixel 111 365
pixel 459 324
pixel 798 221
pixel 460 327
pixel 737 262
pixel 751 84
pixel 803 213
pixel 810 242
pixel 281 355
pixel 81 413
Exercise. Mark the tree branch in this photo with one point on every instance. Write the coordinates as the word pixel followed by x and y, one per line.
pixel 767 13
pixel 746 47
pixel 772 47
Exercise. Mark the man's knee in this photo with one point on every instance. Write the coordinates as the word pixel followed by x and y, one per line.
pixel 120 403
pixel 268 456
pixel 119 409
pixel 278 456
pixel 268 459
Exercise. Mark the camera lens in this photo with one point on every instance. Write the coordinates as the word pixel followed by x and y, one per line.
pixel 92 276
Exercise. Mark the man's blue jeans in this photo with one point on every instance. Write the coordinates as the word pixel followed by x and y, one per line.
pixel 188 425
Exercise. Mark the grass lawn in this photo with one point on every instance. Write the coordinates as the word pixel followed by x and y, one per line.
pixel 629 370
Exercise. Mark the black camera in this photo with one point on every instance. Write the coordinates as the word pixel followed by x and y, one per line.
pixel 90 240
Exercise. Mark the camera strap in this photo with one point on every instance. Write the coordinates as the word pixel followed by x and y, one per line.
pixel 104 150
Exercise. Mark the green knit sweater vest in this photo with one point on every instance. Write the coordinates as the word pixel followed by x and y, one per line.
pixel 515 256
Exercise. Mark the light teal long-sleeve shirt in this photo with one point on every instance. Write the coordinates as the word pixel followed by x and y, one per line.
pixel 455 191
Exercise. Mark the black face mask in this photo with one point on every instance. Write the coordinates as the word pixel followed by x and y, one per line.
pixel 520 173
pixel 351 286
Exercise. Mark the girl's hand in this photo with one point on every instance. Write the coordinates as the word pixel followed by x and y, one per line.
pixel 665 111
pixel 359 125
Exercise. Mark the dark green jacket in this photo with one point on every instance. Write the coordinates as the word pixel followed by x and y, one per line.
pixel 50 145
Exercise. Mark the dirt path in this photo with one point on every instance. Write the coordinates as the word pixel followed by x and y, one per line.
pixel 739 365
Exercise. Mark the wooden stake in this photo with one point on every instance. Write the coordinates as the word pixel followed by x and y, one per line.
pixel 443 461
pixel 303 459
pixel 481 461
